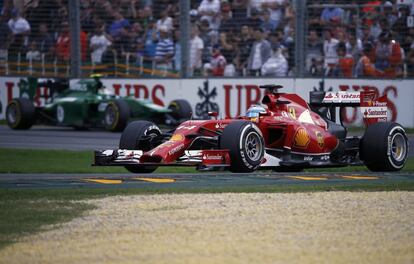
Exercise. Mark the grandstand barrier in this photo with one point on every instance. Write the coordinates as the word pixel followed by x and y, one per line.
pixel 231 96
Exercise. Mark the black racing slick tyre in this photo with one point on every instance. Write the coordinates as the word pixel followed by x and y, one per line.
pixel 20 113
pixel 245 143
pixel 384 147
pixel 116 115
pixel 137 136
pixel 181 109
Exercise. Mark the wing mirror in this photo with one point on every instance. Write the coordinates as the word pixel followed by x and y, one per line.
pixel 213 114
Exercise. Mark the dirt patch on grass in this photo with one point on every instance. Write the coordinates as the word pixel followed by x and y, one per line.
pixel 330 227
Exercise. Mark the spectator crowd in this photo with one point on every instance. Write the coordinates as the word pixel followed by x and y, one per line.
pixel 360 39
pixel 355 38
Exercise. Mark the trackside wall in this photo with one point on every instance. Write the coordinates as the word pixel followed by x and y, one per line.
pixel 231 97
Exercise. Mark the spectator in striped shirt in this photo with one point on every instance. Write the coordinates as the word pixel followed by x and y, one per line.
pixel 164 52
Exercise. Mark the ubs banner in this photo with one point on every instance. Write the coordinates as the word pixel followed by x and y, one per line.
pixel 231 97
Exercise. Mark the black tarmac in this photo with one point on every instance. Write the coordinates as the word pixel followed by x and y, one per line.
pixel 66 138
pixel 43 137
pixel 197 180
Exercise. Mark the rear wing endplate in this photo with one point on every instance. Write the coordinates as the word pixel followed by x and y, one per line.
pixel 373 108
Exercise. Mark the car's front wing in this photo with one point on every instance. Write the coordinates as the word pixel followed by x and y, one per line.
pixel 199 158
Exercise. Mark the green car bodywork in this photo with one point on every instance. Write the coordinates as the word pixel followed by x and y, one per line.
pixel 86 104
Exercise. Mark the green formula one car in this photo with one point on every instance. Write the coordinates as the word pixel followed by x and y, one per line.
pixel 86 106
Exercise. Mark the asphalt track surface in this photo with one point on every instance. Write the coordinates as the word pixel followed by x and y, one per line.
pixel 190 181
pixel 66 138
pixel 46 137
pixel 43 137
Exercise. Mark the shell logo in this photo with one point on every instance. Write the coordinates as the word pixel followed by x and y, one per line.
pixel 177 137
pixel 321 141
pixel 301 139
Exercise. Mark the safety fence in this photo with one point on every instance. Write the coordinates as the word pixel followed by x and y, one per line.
pixel 158 38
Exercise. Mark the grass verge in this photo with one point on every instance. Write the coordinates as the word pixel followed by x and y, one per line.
pixel 25 215
pixel 58 161
pixel 63 161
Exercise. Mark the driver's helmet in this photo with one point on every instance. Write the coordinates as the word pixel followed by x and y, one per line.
pixel 253 112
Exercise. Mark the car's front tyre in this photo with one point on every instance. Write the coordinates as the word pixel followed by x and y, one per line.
pixel 245 143
pixel 139 135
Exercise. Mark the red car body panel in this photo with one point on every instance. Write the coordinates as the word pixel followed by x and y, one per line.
pixel 281 126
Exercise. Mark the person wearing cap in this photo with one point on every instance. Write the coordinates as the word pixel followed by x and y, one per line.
pixel 193 16
pixel 217 63
pixel 259 53
pixel 388 55
pixel 276 65
pixel 365 67
pixel 164 51
pixel 20 29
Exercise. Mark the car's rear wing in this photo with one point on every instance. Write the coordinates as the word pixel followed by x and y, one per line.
pixel 373 108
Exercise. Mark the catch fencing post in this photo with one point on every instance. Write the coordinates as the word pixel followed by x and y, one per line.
pixel 300 38
pixel 185 37
pixel 75 44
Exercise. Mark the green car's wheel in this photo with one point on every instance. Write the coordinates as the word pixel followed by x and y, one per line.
pixel 20 113
pixel 138 135
pixel 181 109
pixel 116 115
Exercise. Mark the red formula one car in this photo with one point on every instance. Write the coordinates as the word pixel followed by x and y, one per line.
pixel 283 134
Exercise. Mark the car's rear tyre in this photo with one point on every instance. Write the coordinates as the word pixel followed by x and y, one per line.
pixel 116 116
pixel 181 109
pixel 245 143
pixel 384 147
pixel 20 113
pixel 131 139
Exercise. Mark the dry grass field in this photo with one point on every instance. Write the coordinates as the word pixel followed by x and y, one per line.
pixel 319 227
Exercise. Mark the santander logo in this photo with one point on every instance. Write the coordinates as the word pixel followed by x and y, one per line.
pixel 212 157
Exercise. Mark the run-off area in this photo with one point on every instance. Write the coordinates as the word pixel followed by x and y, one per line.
pixel 320 227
